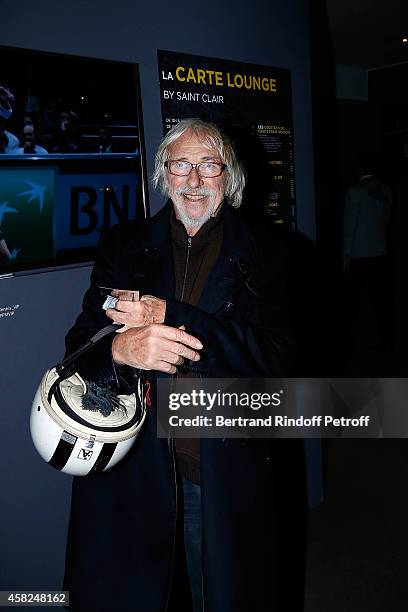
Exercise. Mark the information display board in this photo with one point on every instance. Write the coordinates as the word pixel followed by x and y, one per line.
pixel 235 95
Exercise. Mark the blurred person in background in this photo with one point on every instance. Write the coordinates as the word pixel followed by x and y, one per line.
pixel 67 138
pixel 5 254
pixel 3 141
pixel 367 211
pixel 29 143
pixel 104 144
pixel 6 110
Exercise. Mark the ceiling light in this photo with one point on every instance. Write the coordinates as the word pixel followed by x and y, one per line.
pixel 405 40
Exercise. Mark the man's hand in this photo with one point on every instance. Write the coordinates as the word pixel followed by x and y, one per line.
pixel 137 314
pixel 155 347
pixel 157 305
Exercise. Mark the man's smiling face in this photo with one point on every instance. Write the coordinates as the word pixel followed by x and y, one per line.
pixel 195 198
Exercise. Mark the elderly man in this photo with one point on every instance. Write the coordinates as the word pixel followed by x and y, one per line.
pixel 188 524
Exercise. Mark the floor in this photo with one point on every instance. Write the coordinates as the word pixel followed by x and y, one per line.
pixel 358 538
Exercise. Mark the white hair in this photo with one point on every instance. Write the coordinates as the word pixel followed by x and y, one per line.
pixel 235 176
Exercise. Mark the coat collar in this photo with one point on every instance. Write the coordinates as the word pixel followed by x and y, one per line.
pixel 236 240
pixel 237 252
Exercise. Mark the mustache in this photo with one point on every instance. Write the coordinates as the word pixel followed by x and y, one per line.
pixel 200 191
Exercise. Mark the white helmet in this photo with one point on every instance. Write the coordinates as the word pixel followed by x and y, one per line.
pixel 80 428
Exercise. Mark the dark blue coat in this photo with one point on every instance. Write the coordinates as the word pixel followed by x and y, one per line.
pixel 122 549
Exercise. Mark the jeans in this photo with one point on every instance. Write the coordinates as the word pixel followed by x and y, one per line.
pixel 192 541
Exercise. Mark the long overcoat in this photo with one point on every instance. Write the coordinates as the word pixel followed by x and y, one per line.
pixel 122 551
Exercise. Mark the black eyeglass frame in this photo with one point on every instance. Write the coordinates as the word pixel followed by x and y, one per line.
pixel 197 166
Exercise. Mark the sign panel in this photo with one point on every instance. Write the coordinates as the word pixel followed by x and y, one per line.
pixel 255 100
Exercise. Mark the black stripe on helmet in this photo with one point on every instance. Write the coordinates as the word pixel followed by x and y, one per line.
pixel 63 451
pixel 104 457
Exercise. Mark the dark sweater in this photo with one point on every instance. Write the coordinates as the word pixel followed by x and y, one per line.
pixel 193 257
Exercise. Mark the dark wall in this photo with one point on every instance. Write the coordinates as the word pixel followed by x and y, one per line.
pixel 388 116
pixel 35 499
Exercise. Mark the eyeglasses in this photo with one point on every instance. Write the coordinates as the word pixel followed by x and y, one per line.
pixel 204 169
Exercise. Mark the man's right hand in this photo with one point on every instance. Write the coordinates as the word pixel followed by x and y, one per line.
pixel 155 347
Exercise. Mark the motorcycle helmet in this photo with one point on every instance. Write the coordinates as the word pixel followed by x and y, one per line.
pixel 81 428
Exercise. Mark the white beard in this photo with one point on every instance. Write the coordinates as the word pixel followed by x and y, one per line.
pixel 180 207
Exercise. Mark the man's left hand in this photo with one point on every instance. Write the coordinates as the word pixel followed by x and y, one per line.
pixel 137 314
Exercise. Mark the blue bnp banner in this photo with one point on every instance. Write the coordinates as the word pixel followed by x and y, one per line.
pixel 89 203
pixel 47 216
